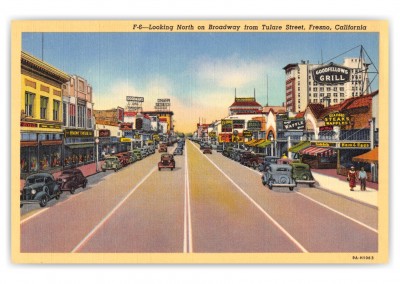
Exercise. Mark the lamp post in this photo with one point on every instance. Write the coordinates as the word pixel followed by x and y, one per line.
pixel 97 154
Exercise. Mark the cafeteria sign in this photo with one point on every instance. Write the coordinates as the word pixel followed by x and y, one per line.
pixel 331 74
pixel 336 119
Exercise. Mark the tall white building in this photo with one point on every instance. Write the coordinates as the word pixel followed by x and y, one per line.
pixel 301 89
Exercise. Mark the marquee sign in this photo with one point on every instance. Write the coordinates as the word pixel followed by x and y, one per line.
pixel 331 74
pixel 226 125
pixel 104 133
pixel 247 133
pixel 135 99
pixel 336 119
pixel 252 99
pixel 78 133
pixel 294 124
pixel 238 123
pixel 254 125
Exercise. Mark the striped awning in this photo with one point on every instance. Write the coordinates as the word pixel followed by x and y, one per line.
pixel 318 151
pixel 249 143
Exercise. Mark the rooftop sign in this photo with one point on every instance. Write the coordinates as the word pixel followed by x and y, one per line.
pixel 331 74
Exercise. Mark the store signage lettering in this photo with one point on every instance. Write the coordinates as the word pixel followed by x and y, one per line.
pixel 331 74
pixel 336 119
pixel 135 99
pixel 238 123
pixel 245 99
pixel 212 134
pixel 355 145
pixel 50 126
pixel 247 133
pixel 126 126
pixel 297 124
pixel 28 124
pixel 323 144
pixel 104 133
pixel 137 136
pixel 226 125
pixel 126 139
pixel 254 125
pixel 78 133
pixel 326 128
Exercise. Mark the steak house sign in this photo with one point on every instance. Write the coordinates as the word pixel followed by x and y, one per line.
pixel 331 74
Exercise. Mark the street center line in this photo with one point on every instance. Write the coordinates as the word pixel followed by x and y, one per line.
pixel 257 206
pixel 93 231
pixel 187 238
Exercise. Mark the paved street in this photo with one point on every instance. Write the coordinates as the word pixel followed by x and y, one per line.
pixel 207 204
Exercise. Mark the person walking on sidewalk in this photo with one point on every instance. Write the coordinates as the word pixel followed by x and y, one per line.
pixel 352 177
pixel 362 176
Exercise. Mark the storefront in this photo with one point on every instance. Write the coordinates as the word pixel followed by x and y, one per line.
pixel 319 155
pixel 78 147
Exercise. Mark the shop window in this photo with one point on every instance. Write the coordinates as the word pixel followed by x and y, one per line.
pixel 56 110
pixel 29 103
pixel 28 160
pixel 43 107
pixel 28 136
pixel 50 157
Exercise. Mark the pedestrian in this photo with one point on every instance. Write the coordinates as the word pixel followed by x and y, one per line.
pixel 351 177
pixel 362 176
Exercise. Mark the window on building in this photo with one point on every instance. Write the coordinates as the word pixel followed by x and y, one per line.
pixel 335 88
pixel 315 89
pixel 328 89
pixel 81 86
pixel 56 110
pixel 315 100
pixel 341 95
pixel 315 95
pixel 321 89
pixel 81 116
pixel 341 89
pixel 72 115
pixel 89 118
pixel 335 100
pixel 329 95
pixel 64 114
pixel 335 95
pixel 29 102
pixel 43 107
pixel 298 89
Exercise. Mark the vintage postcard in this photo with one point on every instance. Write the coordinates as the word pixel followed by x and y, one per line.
pixel 204 141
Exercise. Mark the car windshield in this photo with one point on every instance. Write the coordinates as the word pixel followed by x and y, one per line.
pixel 35 180
pixel 282 170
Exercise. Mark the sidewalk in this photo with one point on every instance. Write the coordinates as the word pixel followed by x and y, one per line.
pixel 330 181
pixel 87 170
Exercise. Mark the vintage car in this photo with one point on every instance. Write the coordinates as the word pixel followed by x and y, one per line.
pixel 72 179
pixel 162 148
pixel 167 161
pixel 130 157
pixel 268 160
pixel 137 153
pixel 302 174
pixel 227 152
pixel 124 160
pixel 278 176
pixel 207 150
pixel 220 148
pixel 111 163
pixel 40 188
pixel 178 151
pixel 253 160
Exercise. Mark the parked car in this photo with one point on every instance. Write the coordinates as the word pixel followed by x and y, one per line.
pixel 124 160
pixel 72 179
pixel 207 150
pixel 111 163
pixel 278 176
pixel 220 148
pixel 167 161
pixel 253 160
pixel 137 153
pixel 245 156
pixel 227 152
pixel 130 157
pixel 302 174
pixel 178 151
pixel 40 188
pixel 268 160
pixel 163 148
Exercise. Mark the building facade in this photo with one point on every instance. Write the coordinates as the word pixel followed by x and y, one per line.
pixel 41 116
pixel 302 88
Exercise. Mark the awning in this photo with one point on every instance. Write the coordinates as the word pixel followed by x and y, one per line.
pixel 258 142
pixel 250 143
pixel 264 144
pixel 369 157
pixel 300 146
pixel 82 145
pixel 318 151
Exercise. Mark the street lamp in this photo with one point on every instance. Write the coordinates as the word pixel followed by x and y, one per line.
pixel 97 154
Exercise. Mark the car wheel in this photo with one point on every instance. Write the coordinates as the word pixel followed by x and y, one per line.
pixel 263 182
pixel 104 171
pixel 115 170
pixel 270 185
pixel 20 206
pixel 43 201
pixel 254 165
pixel 291 188
pixel 84 184
pixel 58 196
pixel 311 185
pixel 172 169
pixel 159 169
pixel 72 190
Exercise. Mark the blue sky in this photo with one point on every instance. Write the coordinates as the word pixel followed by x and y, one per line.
pixel 197 71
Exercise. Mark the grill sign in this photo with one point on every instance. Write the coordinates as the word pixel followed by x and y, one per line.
pixel 331 74
pixel 295 124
